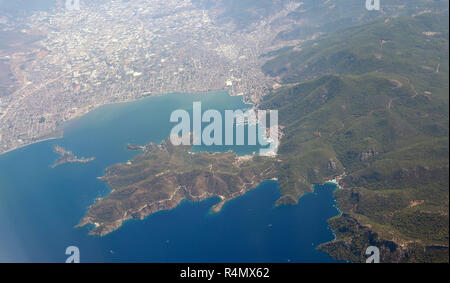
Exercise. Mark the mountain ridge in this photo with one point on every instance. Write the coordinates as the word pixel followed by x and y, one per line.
pixel 383 127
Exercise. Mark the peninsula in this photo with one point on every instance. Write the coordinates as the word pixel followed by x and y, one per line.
pixel 164 175
pixel 68 157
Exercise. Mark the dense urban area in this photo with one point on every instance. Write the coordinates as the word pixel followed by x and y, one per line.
pixel 122 51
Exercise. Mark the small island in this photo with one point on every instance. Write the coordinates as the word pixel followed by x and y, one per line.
pixel 68 157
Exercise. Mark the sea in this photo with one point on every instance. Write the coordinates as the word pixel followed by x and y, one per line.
pixel 40 206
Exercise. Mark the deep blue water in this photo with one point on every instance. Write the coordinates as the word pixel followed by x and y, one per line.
pixel 40 206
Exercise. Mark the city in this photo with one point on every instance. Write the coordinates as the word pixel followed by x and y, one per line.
pixel 124 51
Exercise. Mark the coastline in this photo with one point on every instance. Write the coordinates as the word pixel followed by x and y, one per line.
pixel 180 194
pixel 59 132
pixel 214 209
pixel 60 136
pixel 98 230
pixel 224 202
pixel 335 181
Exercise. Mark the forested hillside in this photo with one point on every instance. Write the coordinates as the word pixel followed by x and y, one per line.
pixel 370 103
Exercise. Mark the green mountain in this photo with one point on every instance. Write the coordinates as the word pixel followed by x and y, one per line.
pixel 369 103
pixel 322 16
pixel 311 17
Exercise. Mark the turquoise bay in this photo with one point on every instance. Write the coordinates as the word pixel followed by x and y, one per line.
pixel 40 206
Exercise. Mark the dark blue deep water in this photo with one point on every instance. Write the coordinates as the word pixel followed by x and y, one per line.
pixel 40 206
